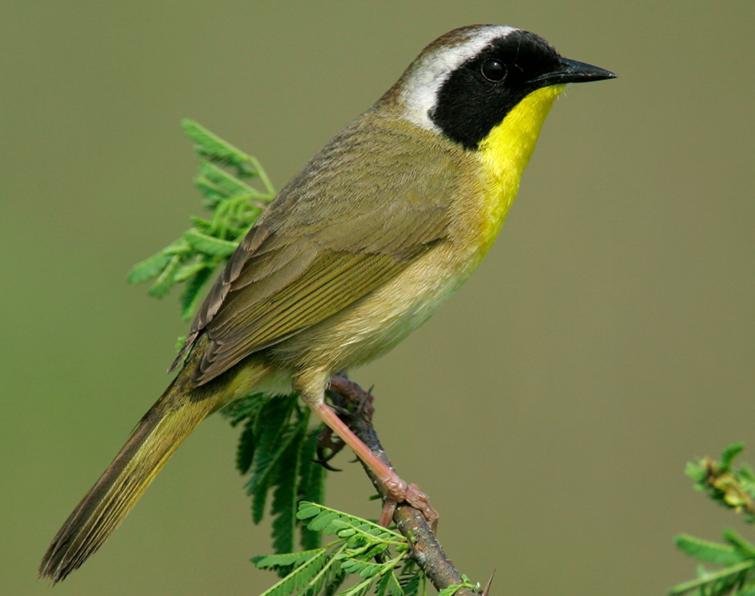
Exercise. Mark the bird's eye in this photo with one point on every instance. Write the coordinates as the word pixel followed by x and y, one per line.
pixel 493 70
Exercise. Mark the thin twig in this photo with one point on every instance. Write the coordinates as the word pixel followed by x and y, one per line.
pixel 357 409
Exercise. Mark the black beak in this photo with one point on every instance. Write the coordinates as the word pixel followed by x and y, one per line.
pixel 572 71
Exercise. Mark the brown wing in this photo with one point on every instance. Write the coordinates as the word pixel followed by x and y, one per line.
pixel 311 257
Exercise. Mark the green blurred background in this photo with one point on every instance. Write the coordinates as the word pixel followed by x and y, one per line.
pixel 552 404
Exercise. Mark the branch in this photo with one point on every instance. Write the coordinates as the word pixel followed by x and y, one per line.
pixel 355 406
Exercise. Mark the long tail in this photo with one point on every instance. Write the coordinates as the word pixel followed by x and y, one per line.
pixel 159 433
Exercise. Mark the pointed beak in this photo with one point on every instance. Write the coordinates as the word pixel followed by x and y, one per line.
pixel 572 71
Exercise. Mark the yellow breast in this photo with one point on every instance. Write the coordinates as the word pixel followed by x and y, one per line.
pixel 505 153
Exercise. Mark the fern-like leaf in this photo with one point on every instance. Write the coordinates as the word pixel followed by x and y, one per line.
pixel 717 583
pixel 245 450
pixel 301 577
pixel 412 580
pixel 361 588
pixel 193 291
pixel 331 521
pixel 706 551
pixel 311 484
pixel 209 245
pixel 362 568
pixel 328 578
pixel 212 147
pixel 279 560
pixel 389 585
pixel 744 548
pixel 148 268
pixel 270 447
pixel 217 184
pixel 284 495
pixel 165 280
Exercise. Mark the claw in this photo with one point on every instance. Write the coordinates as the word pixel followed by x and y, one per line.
pixel 386 516
pixel 348 392
pixel 328 441
pixel 397 491
pixel 324 463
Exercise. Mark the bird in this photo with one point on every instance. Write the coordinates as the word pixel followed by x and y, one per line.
pixel 383 224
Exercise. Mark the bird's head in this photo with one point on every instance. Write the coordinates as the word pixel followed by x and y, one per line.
pixel 465 82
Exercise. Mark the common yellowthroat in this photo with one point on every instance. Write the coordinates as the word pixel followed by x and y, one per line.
pixel 358 250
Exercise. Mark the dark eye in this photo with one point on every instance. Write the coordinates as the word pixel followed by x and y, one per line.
pixel 493 70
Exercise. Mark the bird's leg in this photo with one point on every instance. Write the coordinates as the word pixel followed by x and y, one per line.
pixel 395 490
pixel 348 400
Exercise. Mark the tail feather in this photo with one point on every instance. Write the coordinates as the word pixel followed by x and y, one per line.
pixel 103 508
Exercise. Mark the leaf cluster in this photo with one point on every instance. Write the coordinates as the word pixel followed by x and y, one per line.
pixel 733 488
pixel 277 450
pixel 225 179
pixel 374 558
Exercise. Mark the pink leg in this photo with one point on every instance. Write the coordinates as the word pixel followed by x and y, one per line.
pixel 396 490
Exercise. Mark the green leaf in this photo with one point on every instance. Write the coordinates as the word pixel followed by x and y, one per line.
pixel 311 484
pixel 148 268
pixel 390 585
pixel 412 579
pixel 189 269
pixel 236 206
pixel 245 450
pixel 246 409
pixel 211 146
pixel 328 579
pixel 721 580
pixel 193 292
pixel 362 568
pixel 301 577
pixel 360 589
pixel 271 444
pixel 285 559
pixel 744 548
pixel 466 583
pixel 332 521
pixel 697 471
pixel 331 584
pixel 201 224
pixel 709 552
pixel 728 455
pixel 178 247
pixel 284 495
pixel 209 245
pixel 165 280
pixel 215 182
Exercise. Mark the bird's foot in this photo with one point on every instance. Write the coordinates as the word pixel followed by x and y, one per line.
pixel 350 398
pixel 393 489
pixel 328 446
pixel 397 491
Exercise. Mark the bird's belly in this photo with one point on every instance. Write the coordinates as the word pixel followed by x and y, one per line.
pixel 377 323
pixel 405 318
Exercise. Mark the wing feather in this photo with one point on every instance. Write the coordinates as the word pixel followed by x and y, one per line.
pixel 322 246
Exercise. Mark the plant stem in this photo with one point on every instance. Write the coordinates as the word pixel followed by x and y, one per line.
pixel 707 579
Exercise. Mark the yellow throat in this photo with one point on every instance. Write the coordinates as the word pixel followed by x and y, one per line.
pixel 505 153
